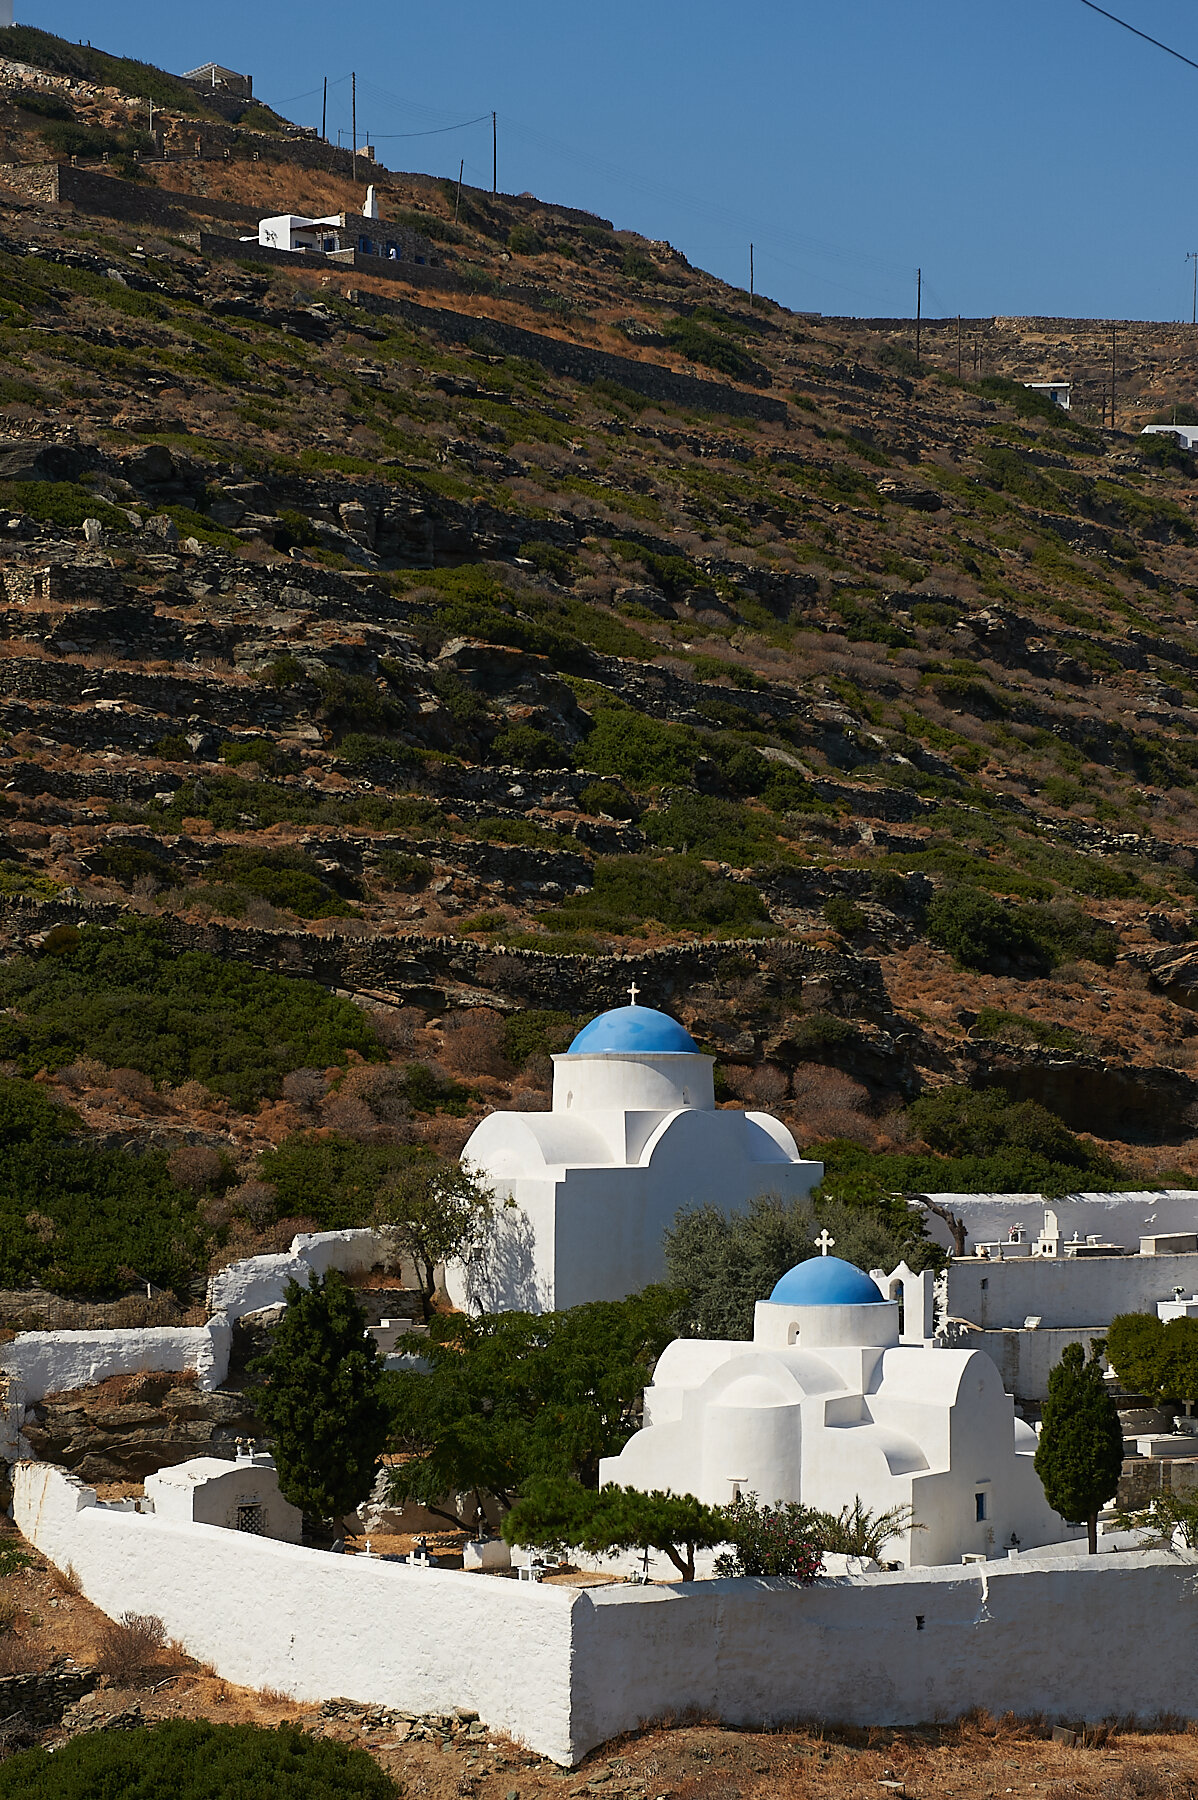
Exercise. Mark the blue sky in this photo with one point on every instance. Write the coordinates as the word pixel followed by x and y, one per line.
pixel 1031 156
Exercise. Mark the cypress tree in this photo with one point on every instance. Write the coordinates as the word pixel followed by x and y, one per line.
pixel 1080 1454
pixel 321 1399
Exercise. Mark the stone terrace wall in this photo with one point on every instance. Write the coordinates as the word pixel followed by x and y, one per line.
pixel 578 362
pixel 419 970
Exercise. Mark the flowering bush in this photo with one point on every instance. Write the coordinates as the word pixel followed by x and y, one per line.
pixel 772 1540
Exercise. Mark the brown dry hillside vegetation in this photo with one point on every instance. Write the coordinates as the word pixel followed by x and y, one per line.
pixel 474 643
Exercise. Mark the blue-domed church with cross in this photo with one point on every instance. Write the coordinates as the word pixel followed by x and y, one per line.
pixel 587 1190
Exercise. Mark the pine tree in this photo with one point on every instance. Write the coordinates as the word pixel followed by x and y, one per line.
pixel 321 1399
pixel 1080 1454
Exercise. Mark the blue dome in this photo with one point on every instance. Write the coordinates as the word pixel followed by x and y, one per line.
pixel 826 1281
pixel 638 1030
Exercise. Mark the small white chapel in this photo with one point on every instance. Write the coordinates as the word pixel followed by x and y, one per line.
pixel 824 1405
pixel 586 1191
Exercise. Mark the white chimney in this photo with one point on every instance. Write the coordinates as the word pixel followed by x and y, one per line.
pixel 371 208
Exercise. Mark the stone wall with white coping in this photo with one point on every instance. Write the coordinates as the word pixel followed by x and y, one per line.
pixel 1122 1218
pixel 261 1281
pixel 565 1669
pixel 980 1304
pixel 38 1363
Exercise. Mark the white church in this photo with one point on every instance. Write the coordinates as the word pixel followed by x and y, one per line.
pixel 586 1191
pixel 824 1405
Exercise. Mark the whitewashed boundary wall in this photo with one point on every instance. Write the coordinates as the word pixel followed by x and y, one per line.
pixel 564 1669
pixel 1121 1218
pixel 38 1363
pixel 261 1281
pixel 312 1625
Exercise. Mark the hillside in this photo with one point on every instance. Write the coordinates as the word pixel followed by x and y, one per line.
pixel 475 637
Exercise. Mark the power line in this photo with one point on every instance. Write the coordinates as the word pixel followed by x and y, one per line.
pixel 436 131
pixel 1136 32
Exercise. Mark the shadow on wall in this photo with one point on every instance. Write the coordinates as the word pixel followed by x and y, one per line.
pixel 504 1269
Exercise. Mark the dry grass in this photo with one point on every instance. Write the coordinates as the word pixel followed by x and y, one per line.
pixel 135 1646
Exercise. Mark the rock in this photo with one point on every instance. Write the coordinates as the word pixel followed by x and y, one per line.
pixel 162 526
pixel 902 493
pixel 93 531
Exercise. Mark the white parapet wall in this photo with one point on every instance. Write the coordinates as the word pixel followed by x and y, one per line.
pixel 38 1363
pixel 261 1281
pixel 565 1669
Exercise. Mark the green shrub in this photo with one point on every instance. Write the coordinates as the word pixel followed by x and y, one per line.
pixel 844 915
pixel 360 750
pixel 186 1759
pixel 287 879
pixel 714 351
pixel 962 1121
pixel 427 1092
pixel 537 1031
pixel 127 862
pixel 717 829
pixel 404 869
pixel 548 559
pixel 1016 1028
pixel 522 240
pixel 980 931
pixel 524 747
pixel 60 503
pixel 131 1000
pixel 680 893
pixel 331 1179
pixel 599 797
pixel 641 750
pixel 43 105
pixel 822 1034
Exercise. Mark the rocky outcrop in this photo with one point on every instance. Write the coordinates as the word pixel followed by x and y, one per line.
pixel 127 1428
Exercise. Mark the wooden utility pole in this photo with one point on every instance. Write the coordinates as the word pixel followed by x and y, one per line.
pixel 494 155
pixel 918 308
pixel 457 203
pixel 354 124
pixel 324 112
pixel 751 301
pixel 1192 256
pixel 958 346
pixel 1112 378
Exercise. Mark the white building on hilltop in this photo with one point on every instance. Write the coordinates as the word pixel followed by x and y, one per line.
pixel 588 1190
pixel 824 1406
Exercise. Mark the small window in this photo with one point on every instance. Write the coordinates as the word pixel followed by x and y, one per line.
pixel 919 1619
pixel 252 1518
pixel 985 1281
pixel 979 1507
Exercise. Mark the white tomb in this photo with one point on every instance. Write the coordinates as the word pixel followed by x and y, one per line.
pixel 237 1496
pixel 824 1406
pixel 587 1190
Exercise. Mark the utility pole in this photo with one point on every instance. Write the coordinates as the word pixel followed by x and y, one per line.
pixel 1112 378
pixel 457 203
pixel 324 112
pixel 354 124
pixel 958 346
pixel 751 300
pixel 918 308
pixel 494 155
pixel 1192 256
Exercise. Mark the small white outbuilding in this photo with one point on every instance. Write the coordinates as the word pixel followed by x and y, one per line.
pixel 587 1191
pixel 824 1406
pixel 237 1496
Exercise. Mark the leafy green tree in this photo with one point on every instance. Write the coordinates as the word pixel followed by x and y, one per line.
pixel 1080 1455
pixel 964 1121
pixel 726 1264
pixel 321 1399
pixel 190 1759
pixel 771 1540
pixel 438 1212
pixel 513 1397
pixel 563 1515
pixel 1155 1358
